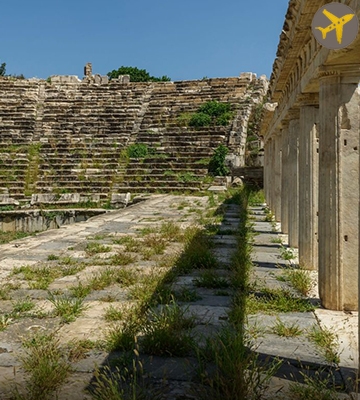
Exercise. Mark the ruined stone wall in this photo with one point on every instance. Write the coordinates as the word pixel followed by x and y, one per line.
pixel 66 135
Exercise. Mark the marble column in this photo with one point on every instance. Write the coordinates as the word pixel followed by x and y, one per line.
pixel 293 183
pixel 277 176
pixel 339 188
pixel 272 175
pixel 285 177
pixel 267 171
pixel 308 181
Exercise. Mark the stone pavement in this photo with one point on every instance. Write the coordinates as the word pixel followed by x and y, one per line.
pixel 65 248
pixel 68 247
pixel 299 354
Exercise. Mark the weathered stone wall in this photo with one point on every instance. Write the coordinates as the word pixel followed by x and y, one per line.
pixel 66 136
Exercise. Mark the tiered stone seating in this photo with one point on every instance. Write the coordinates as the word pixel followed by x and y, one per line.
pixel 184 149
pixel 18 108
pixel 71 137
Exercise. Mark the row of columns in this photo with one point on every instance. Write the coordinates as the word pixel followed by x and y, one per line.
pixel 311 178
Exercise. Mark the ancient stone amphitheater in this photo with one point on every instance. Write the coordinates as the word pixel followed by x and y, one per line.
pixel 68 136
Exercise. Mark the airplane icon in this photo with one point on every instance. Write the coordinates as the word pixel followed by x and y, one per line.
pixel 337 23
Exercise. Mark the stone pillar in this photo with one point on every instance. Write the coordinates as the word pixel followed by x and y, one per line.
pixel 308 181
pixel 272 175
pixel 339 188
pixel 277 176
pixel 267 171
pixel 285 177
pixel 293 183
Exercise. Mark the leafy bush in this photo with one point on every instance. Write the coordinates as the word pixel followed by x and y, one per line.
pixel 136 75
pixel 214 108
pixel 211 112
pixel 217 165
pixel 224 119
pixel 200 119
pixel 137 150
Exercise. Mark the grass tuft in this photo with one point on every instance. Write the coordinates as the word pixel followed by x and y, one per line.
pixel 68 308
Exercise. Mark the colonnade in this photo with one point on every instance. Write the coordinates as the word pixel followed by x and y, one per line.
pixel 311 179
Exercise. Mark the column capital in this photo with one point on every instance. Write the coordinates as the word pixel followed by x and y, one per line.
pixel 308 99
pixel 293 113
pixel 285 124
pixel 337 71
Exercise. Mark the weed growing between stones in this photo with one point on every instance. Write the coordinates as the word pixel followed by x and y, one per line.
pixel 315 387
pixel 113 314
pixel 327 342
pixel 272 301
pixel 95 248
pixel 38 277
pixel 66 307
pixel 166 331
pixel 256 197
pixel 300 279
pixel 122 259
pixel 209 279
pixel 286 330
pixel 123 383
pixel 46 366
pixel 5 320
pixel 78 349
pixel 80 291
pixel 238 374
pixel 287 254
pixel 6 289
pixel 22 305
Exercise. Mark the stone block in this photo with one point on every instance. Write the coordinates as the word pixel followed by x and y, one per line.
pixel 64 79
pixel 217 189
pixel 55 199
pixel 120 199
pixel 247 76
pixel 232 160
pixel 6 200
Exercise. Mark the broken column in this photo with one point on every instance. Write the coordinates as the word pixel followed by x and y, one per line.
pixel 308 180
pixel 88 70
pixel 339 187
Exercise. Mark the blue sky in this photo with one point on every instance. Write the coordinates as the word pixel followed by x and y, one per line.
pixel 187 39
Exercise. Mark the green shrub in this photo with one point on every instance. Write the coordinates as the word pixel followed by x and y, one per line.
pixel 214 108
pixel 224 119
pixel 211 112
pixel 217 165
pixel 199 119
pixel 137 150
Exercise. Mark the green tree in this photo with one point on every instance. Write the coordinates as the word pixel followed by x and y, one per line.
pixel 136 75
pixel 3 69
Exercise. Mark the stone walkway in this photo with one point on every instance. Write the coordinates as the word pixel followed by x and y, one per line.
pixel 299 354
pixel 70 250
pixel 67 247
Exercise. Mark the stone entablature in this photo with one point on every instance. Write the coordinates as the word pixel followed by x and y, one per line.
pixel 299 58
